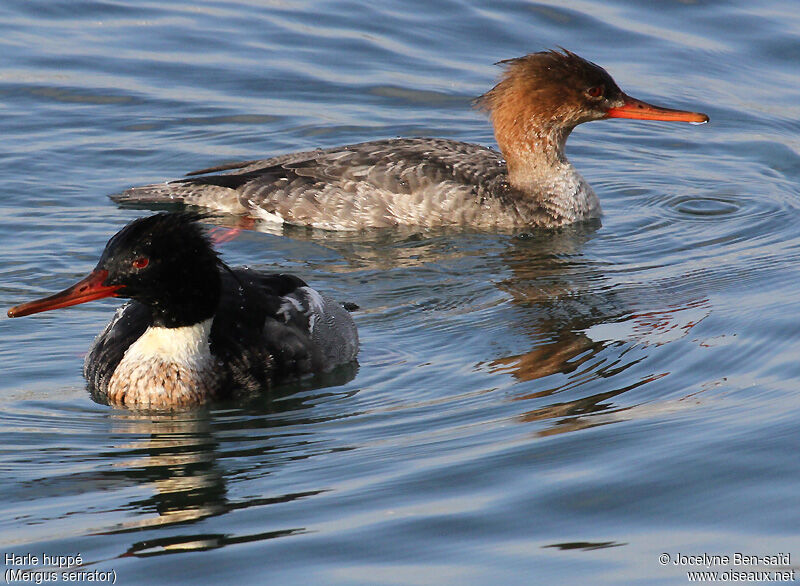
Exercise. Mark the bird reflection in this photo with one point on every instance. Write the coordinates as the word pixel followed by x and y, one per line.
pixel 585 329
pixel 178 456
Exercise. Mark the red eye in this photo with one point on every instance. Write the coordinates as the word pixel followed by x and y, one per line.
pixel 596 91
pixel 141 262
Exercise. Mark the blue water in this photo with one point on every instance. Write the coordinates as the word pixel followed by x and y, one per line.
pixel 528 408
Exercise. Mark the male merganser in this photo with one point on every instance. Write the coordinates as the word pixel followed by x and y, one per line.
pixel 433 181
pixel 197 329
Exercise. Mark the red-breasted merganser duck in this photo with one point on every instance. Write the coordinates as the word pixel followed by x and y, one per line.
pixel 197 329
pixel 434 181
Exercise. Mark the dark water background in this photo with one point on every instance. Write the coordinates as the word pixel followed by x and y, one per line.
pixel 557 408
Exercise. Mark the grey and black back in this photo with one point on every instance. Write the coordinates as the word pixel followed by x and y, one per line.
pixel 381 183
pixel 267 328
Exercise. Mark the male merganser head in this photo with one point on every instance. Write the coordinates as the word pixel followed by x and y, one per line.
pixel 433 182
pixel 196 328
pixel 165 262
pixel 543 96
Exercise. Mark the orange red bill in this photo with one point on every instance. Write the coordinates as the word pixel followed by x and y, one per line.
pixel 639 110
pixel 87 289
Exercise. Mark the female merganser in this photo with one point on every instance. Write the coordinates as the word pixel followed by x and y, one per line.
pixel 197 329
pixel 433 181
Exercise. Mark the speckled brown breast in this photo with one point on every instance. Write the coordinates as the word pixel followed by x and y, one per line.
pixel 162 384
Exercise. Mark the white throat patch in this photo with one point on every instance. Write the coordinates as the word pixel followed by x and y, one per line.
pixel 181 345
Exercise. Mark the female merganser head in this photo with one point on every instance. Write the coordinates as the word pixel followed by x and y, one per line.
pixel 196 328
pixel 542 97
pixel 436 182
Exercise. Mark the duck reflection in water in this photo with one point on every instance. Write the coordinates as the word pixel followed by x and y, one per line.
pixel 183 460
pixel 587 329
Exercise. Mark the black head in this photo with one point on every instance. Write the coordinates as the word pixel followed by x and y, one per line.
pixel 167 262
pixel 164 261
